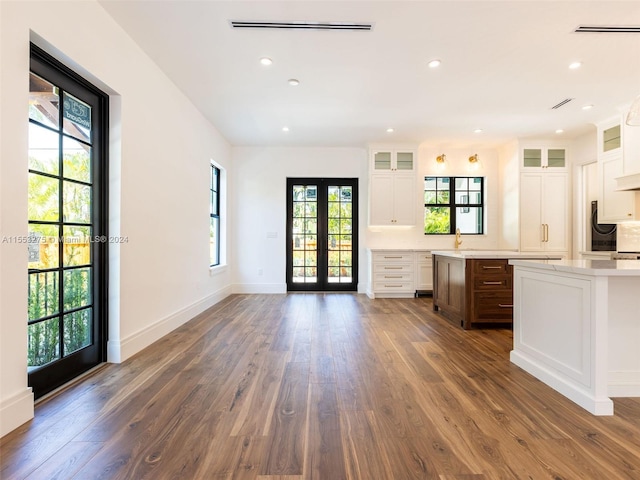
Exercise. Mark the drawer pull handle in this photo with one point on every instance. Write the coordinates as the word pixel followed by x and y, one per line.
pixel 393 268
pixel 387 286
pixel 492 283
pixel 400 256
pixel 484 267
pixel 505 305
pixel 393 276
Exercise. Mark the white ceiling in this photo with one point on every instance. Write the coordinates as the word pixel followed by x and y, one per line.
pixel 504 65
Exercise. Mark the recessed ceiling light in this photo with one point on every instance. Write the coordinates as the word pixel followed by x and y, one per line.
pixel 434 63
pixel 559 130
pixel 294 82
pixel 285 129
pixel 477 130
pixel 266 61
pixel 389 130
pixel 575 65
pixel 587 107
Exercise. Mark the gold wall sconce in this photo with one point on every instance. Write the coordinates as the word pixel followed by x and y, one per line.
pixel 441 162
pixel 474 162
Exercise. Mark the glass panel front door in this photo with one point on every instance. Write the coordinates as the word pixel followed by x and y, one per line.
pixel 322 234
pixel 67 242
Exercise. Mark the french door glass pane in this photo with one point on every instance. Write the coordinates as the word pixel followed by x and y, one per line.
pixel 77 246
pixel 43 150
pixel 43 101
pixel 43 246
pixel 44 342
pixel 339 237
pixel 76 202
pixel 77 330
pixel 43 294
pixel 305 230
pixel 77 288
pixel 76 118
pixel 44 195
pixel 76 160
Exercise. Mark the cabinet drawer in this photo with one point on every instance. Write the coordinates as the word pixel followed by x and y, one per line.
pixel 393 277
pixel 393 285
pixel 393 268
pixel 392 257
pixel 493 282
pixel 493 307
pixel 491 267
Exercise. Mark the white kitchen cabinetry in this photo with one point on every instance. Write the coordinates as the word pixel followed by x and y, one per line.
pixel 392 274
pixel 614 205
pixel 542 158
pixel 617 156
pixel 392 160
pixel 544 212
pixel 392 199
pixel 424 271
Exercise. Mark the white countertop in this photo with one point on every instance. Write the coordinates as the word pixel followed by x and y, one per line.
pixel 607 268
pixel 500 254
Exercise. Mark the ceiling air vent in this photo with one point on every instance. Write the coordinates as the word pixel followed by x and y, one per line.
pixel 303 25
pixel 560 104
pixel 607 29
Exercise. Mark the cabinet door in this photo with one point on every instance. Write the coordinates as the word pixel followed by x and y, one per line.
pixel 381 200
pixel 614 206
pixel 425 271
pixel 404 200
pixel 531 228
pixel 383 161
pixel 555 215
pixel 544 158
pixel 404 160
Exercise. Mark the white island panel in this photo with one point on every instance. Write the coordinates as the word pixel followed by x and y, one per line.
pixel 577 328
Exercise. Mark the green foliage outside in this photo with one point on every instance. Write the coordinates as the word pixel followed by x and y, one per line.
pixel 44 338
pixel 437 220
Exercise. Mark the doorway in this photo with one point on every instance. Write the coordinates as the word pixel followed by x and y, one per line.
pixel 322 234
pixel 67 243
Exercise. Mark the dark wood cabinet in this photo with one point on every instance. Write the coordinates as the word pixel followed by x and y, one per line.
pixel 489 291
pixel 473 291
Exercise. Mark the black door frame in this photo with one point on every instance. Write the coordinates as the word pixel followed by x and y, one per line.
pixel 322 234
pixel 60 371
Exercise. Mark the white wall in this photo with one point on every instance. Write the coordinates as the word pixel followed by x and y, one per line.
pixel 161 147
pixel 259 199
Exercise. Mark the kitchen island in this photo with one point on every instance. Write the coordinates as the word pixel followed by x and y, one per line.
pixel 577 328
pixel 474 287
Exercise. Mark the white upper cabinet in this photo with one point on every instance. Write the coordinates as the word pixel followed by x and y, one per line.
pixel 393 160
pixel 392 192
pixel 539 158
pixel 618 156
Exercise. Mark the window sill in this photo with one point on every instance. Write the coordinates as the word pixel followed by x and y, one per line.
pixel 217 270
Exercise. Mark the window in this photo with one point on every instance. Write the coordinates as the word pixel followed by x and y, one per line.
pixel 214 213
pixel 453 202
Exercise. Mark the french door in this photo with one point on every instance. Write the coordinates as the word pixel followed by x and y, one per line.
pixel 67 241
pixel 322 234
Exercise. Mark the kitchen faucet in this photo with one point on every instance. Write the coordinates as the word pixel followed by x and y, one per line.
pixel 458 240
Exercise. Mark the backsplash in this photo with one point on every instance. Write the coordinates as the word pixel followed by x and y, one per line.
pixel 629 237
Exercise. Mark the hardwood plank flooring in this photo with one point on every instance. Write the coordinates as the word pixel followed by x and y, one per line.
pixel 323 387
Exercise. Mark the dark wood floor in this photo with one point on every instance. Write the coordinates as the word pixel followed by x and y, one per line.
pixel 328 387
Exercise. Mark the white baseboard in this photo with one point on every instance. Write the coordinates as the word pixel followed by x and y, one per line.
pixel 259 288
pixel 16 410
pixel 119 350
